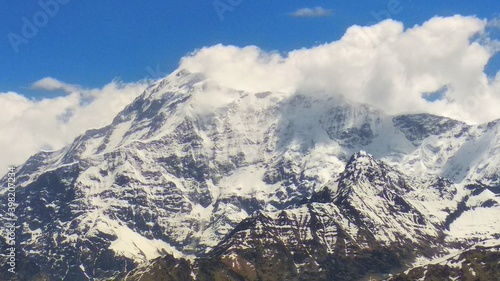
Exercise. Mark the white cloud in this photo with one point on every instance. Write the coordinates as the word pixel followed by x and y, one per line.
pixel 52 84
pixel 383 65
pixel 32 125
pixel 316 12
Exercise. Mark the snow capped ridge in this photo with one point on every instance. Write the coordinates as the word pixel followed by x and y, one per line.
pixel 418 127
pixel 361 158
pixel 179 79
pixel 364 168
pixel 462 154
pixel 369 188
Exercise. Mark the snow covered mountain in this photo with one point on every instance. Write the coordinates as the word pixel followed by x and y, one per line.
pixel 225 183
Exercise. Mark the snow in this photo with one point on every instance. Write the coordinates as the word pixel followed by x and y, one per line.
pixel 71 238
pixel 117 136
pixel 246 181
pixel 430 202
pixel 457 155
pixel 479 223
pixel 35 235
pixel 91 147
pixel 136 247
pixel 131 244
pixel 54 238
pixel 390 144
pixel 82 267
pixel 475 201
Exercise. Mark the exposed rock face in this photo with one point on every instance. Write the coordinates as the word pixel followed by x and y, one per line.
pixel 254 186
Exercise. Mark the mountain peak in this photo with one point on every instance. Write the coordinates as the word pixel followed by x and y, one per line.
pixel 362 158
pixel 363 165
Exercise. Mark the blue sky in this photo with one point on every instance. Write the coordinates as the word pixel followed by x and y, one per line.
pixel 92 42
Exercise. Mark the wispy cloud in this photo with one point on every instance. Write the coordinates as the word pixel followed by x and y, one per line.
pixel 317 12
pixel 494 23
pixel 52 84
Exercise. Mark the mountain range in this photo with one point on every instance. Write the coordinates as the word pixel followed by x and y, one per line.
pixel 198 181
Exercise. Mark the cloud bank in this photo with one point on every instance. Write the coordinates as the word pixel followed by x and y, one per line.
pixel 317 12
pixel 29 126
pixel 384 65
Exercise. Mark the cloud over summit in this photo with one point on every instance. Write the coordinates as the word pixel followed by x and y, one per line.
pixel 384 65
